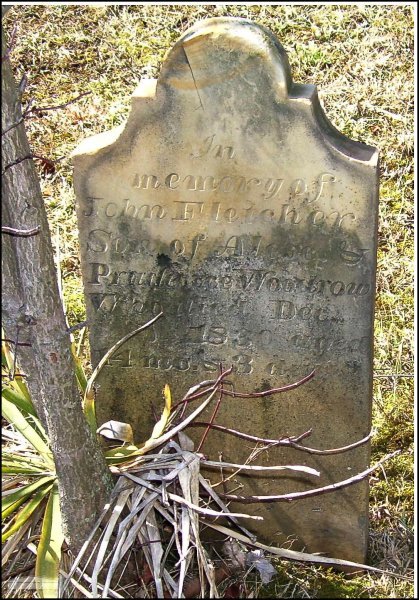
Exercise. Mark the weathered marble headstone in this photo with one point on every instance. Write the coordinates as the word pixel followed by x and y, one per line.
pixel 231 203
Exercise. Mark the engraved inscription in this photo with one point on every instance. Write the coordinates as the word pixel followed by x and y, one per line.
pixel 210 148
pixel 100 241
pixel 242 363
pixel 267 188
pixel 218 212
pixel 253 280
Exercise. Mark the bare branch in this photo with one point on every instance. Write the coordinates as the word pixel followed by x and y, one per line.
pixel 287 441
pixel 259 468
pixel 294 555
pixel 31 113
pixel 11 45
pixel 21 232
pixel 207 386
pixel 116 347
pixel 47 161
pixel 16 343
pixel 332 450
pixel 16 162
pixel 19 121
pixel 214 414
pixel 35 111
pixel 12 126
pixel 308 493
pixel 302 436
pixel 12 373
pixel 213 384
pixel 77 326
pixel 284 388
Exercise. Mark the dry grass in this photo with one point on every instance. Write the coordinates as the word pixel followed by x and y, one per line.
pixel 361 58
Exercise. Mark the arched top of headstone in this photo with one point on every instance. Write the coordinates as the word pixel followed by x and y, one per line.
pixel 234 70
pixel 223 51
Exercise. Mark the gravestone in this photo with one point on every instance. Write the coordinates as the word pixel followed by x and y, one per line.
pixel 229 202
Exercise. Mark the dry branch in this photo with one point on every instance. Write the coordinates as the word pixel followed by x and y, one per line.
pixel 308 493
pixel 21 232
pixel 288 441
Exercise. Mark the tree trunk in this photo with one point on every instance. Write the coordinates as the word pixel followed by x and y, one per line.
pixel 32 308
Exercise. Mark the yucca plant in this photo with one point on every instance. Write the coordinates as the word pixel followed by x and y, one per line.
pixel 30 487
pixel 30 490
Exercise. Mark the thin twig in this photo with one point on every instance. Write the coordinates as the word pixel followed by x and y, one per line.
pixel 255 452
pixel 332 450
pixel 77 326
pixel 10 47
pixel 48 161
pixel 253 438
pixel 214 414
pixel 189 398
pixel 114 348
pixel 16 162
pixel 211 386
pixel 302 436
pixel 20 120
pixel 12 374
pixel 308 493
pixel 16 343
pixel 288 441
pixel 12 126
pixel 42 109
pixel 247 467
pixel 31 113
pixel 294 555
pixel 21 232
pixel 284 388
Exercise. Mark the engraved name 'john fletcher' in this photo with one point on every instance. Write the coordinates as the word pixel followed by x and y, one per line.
pixel 214 212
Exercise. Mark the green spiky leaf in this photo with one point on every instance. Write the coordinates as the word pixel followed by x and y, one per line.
pixel 49 549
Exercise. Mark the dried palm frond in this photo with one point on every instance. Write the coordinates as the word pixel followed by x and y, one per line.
pixel 148 541
pixel 156 506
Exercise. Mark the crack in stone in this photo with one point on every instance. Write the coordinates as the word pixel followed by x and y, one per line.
pixel 193 77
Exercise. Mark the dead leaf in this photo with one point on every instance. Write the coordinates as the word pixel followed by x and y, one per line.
pixel 256 558
pixel 236 556
pixel 115 430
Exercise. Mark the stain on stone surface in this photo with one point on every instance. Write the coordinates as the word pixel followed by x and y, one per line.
pixel 163 260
